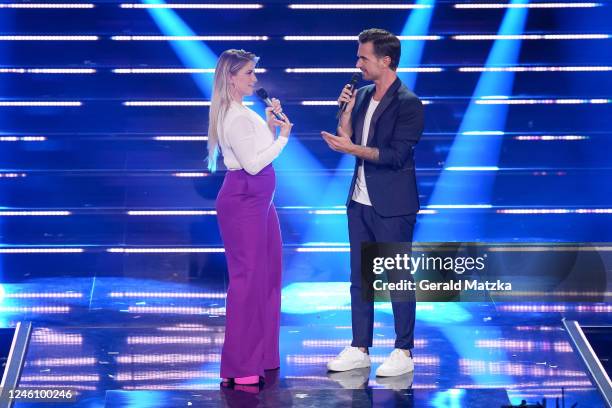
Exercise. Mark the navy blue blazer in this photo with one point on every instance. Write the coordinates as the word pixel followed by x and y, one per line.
pixel 395 128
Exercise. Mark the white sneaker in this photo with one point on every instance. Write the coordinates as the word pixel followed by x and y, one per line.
pixel 397 363
pixel 349 359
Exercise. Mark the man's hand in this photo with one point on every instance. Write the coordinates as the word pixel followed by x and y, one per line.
pixel 341 143
pixel 347 96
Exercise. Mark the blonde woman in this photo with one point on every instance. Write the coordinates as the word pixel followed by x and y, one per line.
pixel 247 218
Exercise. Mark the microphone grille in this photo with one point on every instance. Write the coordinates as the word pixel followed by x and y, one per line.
pixel 262 93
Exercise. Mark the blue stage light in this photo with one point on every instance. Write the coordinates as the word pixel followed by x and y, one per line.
pixel 483 153
pixel 416 26
pixel 192 54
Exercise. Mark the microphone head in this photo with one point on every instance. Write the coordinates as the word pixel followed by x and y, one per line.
pixel 355 78
pixel 262 93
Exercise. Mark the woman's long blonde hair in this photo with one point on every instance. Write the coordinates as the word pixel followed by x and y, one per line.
pixel 230 62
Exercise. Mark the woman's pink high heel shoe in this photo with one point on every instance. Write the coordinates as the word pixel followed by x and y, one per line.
pixel 251 380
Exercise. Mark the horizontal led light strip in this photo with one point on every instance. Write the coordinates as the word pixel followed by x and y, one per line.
pixel 189 327
pixel 339 70
pixel 171 212
pixel 323 249
pixel 47 71
pixel 342 212
pixel 220 6
pixel 531 5
pixel 173 103
pixel 48 6
pixel 550 137
pixel 165 339
pixel 41 103
pixel 22 138
pixel 555 211
pixel 460 206
pixel 43 295
pixel 204 385
pixel 196 295
pixel 34 309
pixel 61 378
pixel 173 70
pixel 362 6
pixel 418 343
pixel 174 358
pixel 12 175
pixel 556 308
pixel 355 38
pixel 483 133
pixel 34 213
pixel 190 38
pixel 64 362
pixel 482 101
pixel 66 250
pixel 168 212
pixel 531 37
pixel 157 375
pixel 350 70
pixel 49 38
pixel 566 101
pixel 180 138
pixel 335 103
pixel 537 69
pixel 163 250
pixel 190 174
pixel 177 310
pixel 524 137
pixel 472 168
pixel 431 209
pixel 473 37
pixel 319 103
pixel 303 359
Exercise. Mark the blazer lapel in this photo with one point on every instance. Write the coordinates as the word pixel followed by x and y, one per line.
pixel 382 106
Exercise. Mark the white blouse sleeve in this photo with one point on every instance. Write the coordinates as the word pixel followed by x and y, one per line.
pixel 241 136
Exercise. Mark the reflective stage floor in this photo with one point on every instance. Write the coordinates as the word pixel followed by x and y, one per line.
pixel 165 352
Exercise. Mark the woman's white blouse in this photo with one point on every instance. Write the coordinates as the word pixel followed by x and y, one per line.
pixel 246 141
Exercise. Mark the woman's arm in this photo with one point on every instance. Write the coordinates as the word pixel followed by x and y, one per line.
pixel 242 139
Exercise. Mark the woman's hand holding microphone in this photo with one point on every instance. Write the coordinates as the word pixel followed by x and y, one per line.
pixel 285 125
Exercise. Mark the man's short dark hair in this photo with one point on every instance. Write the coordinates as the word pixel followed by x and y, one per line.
pixel 385 44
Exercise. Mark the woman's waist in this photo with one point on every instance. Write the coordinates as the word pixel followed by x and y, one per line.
pixel 266 171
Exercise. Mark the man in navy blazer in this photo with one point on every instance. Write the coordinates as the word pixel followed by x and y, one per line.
pixel 380 126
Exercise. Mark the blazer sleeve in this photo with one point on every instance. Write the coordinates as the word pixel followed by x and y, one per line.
pixel 407 132
pixel 241 137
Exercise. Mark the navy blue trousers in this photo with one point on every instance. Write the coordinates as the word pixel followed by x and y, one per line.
pixel 365 225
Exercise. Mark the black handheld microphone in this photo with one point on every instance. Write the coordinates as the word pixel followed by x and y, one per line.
pixel 263 95
pixel 352 84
